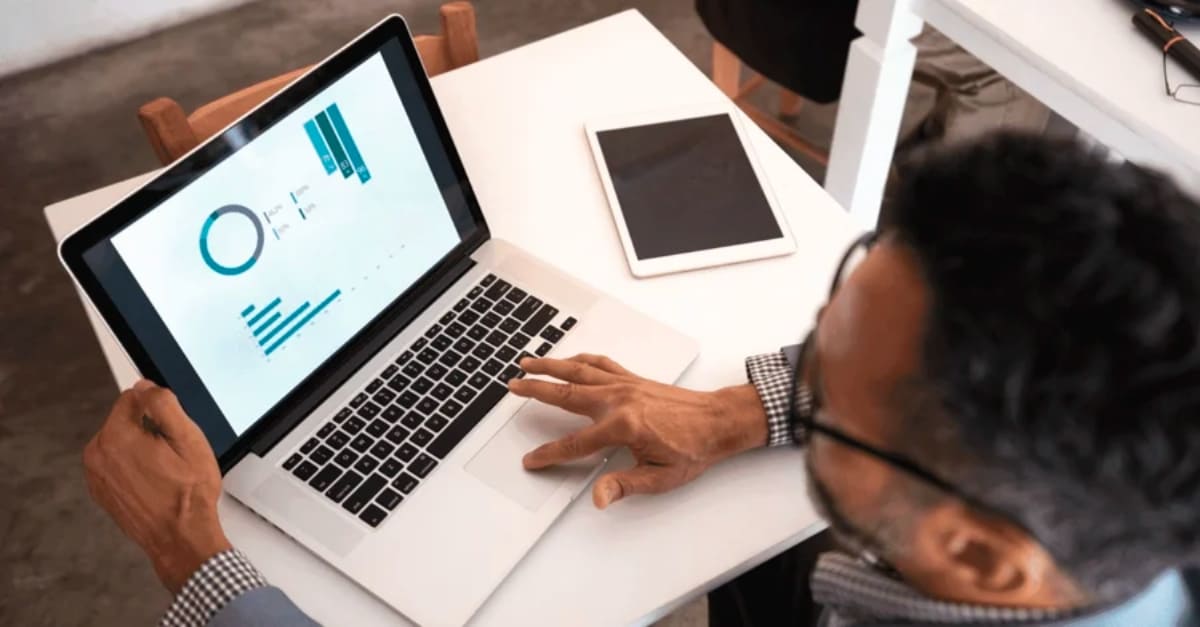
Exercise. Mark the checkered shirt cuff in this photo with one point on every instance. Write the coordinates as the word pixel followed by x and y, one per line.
pixel 223 578
pixel 772 377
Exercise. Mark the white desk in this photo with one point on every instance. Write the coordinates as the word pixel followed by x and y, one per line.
pixel 1082 58
pixel 517 119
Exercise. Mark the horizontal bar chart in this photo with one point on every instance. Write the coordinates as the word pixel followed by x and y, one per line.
pixel 303 321
pixel 271 328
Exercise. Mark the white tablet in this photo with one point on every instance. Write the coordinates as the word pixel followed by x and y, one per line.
pixel 686 190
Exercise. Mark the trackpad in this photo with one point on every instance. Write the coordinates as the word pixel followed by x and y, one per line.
pixel 498 463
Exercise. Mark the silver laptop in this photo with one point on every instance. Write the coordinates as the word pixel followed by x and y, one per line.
pixel 318 285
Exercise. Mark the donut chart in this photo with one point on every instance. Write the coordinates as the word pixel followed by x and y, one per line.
pixel 258 245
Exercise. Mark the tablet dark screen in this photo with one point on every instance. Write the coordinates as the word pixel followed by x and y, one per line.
pixel 686 186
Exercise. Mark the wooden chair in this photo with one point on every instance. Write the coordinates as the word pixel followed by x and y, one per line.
pixel 727 74
pixel 173 133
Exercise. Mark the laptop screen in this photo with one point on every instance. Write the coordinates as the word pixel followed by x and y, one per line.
pixel 251 276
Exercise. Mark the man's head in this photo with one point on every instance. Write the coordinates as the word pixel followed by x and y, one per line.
pixel 1027 329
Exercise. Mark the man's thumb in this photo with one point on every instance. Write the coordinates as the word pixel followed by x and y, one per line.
pixel 615 486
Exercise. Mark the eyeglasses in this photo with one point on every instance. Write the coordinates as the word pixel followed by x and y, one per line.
pixel 1187 93
pixel 805 405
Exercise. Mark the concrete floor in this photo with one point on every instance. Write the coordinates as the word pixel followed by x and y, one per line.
pixel 71 127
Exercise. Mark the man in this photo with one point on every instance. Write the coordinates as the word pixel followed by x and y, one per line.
pixel 998 407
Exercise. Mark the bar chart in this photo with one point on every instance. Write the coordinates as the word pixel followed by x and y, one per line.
pixel 335 146
pixel 271 328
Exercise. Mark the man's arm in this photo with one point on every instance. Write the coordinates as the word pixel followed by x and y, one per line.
pixel 151 469
pixel 674 433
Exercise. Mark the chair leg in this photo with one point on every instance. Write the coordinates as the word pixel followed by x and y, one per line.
pixel 790 102
pixel 726 71
pixel 458 27
pixel 167 128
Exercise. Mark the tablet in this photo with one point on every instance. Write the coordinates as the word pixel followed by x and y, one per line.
pixel 686 190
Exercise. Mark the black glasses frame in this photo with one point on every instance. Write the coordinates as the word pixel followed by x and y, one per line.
pixel 1174 92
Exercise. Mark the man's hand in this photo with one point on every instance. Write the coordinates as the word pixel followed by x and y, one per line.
pixel 675 434
pixel 152 470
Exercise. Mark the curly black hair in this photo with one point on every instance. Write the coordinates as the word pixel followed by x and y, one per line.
pixel 1063 346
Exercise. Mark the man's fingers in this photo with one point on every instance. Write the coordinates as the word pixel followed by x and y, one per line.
pixel 567 370
pixel 573 397
pixel 579 444
pixel 602 362
pixel 640 479
pixel 163 408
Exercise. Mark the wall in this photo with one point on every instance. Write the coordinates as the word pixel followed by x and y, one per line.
pixel 35 32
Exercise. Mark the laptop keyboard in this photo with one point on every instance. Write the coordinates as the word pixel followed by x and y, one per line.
pixel 374 452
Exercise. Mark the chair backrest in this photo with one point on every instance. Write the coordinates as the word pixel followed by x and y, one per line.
pixel 172 133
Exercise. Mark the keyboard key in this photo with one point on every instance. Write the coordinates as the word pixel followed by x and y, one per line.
pixel 450 358
pixel 456 377
pixel 436 423
pixel 361 443
pixel 369 410
pixel 436 371
pixel 421 437
pixel 568 324
pixel 389 372
pixel 515 295
pixel 526 309
pixel 475 292
pixel 322 454
pixel 419 344
pixel 377 428
pixel 305 470
pixel 488 280
pixel 383 397
pixel 342 414
pixel 481 305
pixel 374 385
pixel 366 464
pixel 399 382
pixel 392 413
pixel 423 465
pixel 493 367
pixel 406 452
pixel 464 394
pixel 412 420
pixel 422 385
pixel 441 392
pixel 506 353
pixel 427 406
pixel 291 462
pixel 479 380
pixel 391 467
pixel 340 488
pixel 325 478
pixel 413 369
pixel 483 351
pixel 518 341
pixel 405 483
pixel 496 338
pixel 382 449
pixel 446 318
pixel 490 320
pixel 461 305
pixel 397 434
pixel 468 317
pixel 403 358
pixel 353 425
pixel 451 408
pixel 455 330
pixel 459 427
pixel 469 365
pixel 408 399
pixel 510 373
pixel 389 499
pixel 427 356
pixel 325 430
pixel 337 440
pixel 464 345
pixel 442 342
pixel 364 494
pixel 543 349
pixel 433 331
pixel 509 326
pixel 477 332
pixel 552 333
pixel 503 307
pixel 309 445
pixel 372 515
pixel 497 289
pixel 359 399
pixel 540 319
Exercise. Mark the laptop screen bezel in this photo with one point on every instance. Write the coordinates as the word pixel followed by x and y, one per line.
pixel 343 363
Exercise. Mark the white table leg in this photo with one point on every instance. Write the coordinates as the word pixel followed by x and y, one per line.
pixel 874 93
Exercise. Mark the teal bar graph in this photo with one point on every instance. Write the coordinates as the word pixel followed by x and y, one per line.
pixel 343 131
pixel 262 312
pixel 247 311
pixel 286 321
pixel 303 321
pixel 335 146
pixel 318 143
pixel 263 327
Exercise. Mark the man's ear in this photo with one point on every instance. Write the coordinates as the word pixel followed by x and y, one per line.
pixel 962 555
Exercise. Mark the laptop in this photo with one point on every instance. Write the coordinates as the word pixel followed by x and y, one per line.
pixel 318 286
